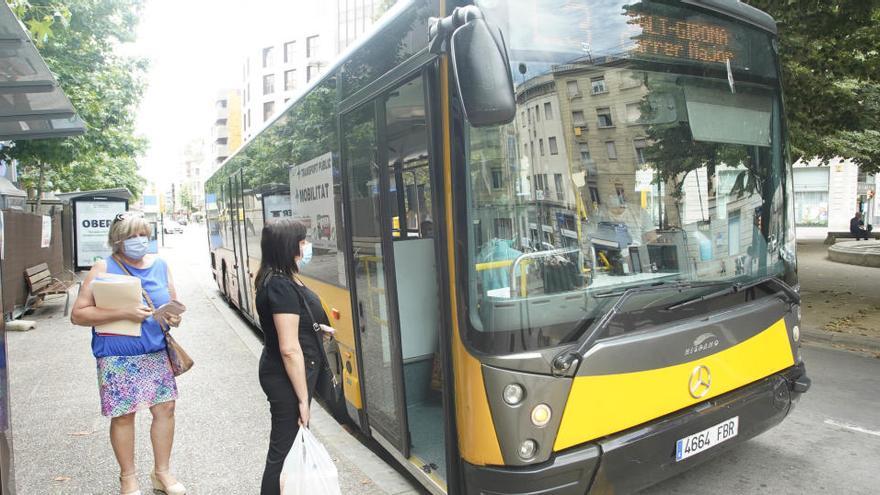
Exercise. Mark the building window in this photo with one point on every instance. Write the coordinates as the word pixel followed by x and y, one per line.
pixel 312 71
pixel 268 56
pixel 541 146
pixel 497 178
pixel 584 148
pixel 633 113
pixel 551 142
pixel 522 116
pixel 268 84
pixel 503 228
pixel 289 80
pixel 594 195
pixel 289 51
pixel 312 46
pixel 640 145
pixel 548 111
pixel 578 118
pixel 597 85
pixel 573 89
pixel 811 196
pixel 221 103
pixel 612 150
pixel 560 192
pixel 537 113
pixel 268 110
pixel 604 115
pixel 621 194
pixel 250 121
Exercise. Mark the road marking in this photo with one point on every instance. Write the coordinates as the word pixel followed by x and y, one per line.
pixel 852 427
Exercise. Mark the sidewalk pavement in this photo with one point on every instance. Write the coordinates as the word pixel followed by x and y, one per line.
pixel 61 441
pixel 840 302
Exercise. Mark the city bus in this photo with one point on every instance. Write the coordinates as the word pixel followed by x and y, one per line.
pixel 556 238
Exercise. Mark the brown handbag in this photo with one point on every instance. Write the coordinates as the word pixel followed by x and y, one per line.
pixel 180 360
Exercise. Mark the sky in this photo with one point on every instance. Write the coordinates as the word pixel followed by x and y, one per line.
pixel 195 49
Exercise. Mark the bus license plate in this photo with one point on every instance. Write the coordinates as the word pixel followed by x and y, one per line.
pixel 706 439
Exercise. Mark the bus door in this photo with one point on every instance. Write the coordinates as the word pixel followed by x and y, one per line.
pixel 388 179
pixel 239 234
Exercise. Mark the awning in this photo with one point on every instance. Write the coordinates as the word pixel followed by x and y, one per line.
pixel 32 105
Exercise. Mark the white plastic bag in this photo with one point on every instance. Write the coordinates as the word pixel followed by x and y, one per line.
pixel 308 468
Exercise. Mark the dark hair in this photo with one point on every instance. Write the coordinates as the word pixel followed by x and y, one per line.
pixel 280 244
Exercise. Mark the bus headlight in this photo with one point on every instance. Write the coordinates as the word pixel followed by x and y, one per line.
pixel 528 449
pixel 796 333
pixel 541 415
pixel 513 394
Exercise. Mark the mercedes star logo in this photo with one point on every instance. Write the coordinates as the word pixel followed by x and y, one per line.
pixel 700 381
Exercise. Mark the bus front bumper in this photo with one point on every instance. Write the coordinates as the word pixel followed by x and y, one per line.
pixel 634 459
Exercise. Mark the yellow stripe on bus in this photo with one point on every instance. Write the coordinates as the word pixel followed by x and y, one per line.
pixel 605 404
pixel 477 441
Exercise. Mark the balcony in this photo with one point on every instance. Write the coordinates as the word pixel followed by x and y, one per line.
pixel 221 132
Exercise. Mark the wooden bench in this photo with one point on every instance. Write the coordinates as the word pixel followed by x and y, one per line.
pixel 41 283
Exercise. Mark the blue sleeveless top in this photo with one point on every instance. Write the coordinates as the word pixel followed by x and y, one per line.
pixel 155 281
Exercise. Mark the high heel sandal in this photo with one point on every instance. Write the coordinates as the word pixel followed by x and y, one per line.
pixel 175 489
pixel 124 477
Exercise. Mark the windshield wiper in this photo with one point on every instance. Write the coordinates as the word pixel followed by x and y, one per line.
pixel 789 291
pixel 564 361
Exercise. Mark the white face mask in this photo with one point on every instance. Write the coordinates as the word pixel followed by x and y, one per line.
pixel 306 251
pixel 136 247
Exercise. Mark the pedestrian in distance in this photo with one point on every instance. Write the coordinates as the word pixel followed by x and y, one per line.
pixel 856 227
pixel 134 373
pixel 292 358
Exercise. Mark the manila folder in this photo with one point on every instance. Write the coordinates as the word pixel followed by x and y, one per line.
pixel 114 292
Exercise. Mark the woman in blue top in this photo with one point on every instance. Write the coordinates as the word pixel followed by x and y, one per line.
pixel 134 373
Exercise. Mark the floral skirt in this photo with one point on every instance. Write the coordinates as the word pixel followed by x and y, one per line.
pixel 130 383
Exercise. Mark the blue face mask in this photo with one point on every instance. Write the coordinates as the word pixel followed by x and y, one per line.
pixel 136 247
pixel 306 255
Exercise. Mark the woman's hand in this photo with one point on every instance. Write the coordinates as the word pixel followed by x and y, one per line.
pixel 137 315
pixel 304 414
pixel 174 320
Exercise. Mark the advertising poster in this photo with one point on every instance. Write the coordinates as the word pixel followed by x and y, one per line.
pixel 46 240
pixel 312 201
pixel 93 219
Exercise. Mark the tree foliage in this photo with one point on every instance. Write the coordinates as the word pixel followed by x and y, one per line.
pixel 830 53
pixel 79 40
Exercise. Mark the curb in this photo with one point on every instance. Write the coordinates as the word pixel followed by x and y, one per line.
pixel 825 337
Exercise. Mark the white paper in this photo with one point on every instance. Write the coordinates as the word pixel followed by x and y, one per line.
pixel 47 232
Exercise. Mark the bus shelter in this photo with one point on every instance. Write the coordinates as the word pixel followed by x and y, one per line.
pixel 32 106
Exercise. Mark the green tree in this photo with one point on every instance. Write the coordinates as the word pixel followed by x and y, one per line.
pixel 79 40
pixel 830 53
pixel 186 198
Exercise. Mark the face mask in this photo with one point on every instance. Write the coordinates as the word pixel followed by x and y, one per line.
pixel 306 255
pixel 136 247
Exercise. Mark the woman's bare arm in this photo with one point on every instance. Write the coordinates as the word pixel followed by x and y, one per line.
pixel 287 325
pixel 86 314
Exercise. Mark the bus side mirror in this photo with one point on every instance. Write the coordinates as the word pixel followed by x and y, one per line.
pixel 482 74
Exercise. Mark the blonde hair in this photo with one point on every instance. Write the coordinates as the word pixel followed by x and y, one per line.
pixel 123 228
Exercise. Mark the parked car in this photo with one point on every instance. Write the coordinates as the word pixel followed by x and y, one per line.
pixel 172 227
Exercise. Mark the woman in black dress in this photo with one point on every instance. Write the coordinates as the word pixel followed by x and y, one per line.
pixel 291 359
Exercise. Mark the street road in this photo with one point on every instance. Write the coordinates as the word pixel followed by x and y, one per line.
pixel 829 444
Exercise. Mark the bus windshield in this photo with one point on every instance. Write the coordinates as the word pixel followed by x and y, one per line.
pixel 647 148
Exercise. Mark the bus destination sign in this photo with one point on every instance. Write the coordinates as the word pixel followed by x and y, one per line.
pixel 669 37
